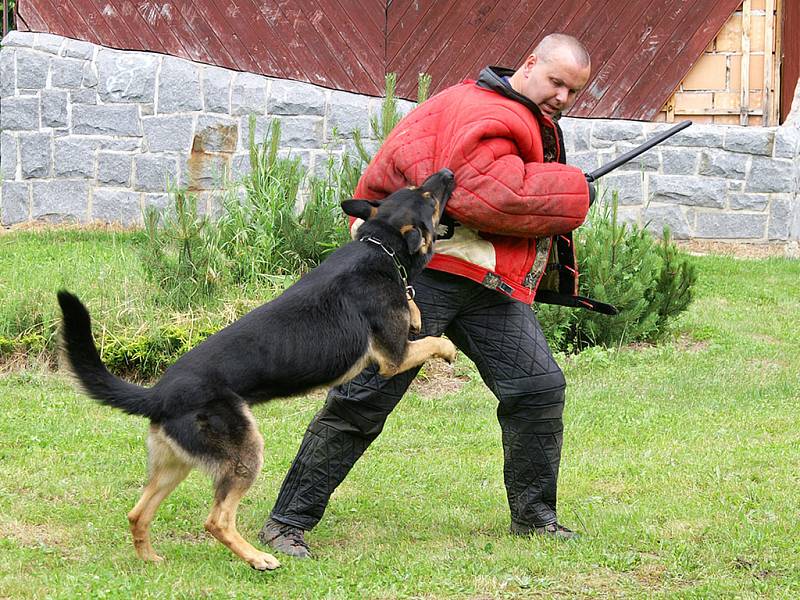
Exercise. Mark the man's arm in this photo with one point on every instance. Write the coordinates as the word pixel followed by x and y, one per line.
pixel 499 193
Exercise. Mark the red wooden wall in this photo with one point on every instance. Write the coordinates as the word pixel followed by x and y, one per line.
pixel 790 66
pixel 318 41
pixel 641 49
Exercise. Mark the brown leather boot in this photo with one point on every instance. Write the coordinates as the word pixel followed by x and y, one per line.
pixel 285 538
pixel 552 530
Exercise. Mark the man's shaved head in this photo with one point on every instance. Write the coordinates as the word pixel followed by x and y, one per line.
pixel 554 73
pixel 551 45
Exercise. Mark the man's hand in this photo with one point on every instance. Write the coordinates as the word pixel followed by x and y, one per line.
pixel 592 191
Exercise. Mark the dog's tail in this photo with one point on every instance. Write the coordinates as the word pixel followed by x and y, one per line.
pixel 79 348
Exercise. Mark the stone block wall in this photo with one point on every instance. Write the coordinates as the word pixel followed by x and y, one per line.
pixel 708 181
pixel 93 134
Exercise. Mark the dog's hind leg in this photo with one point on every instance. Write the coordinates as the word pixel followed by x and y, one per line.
pixel 234 476
pixel 167 470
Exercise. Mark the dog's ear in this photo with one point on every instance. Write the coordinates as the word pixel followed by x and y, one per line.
pixel 360 209
pixel 413 239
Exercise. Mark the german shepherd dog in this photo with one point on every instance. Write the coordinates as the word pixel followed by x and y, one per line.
pixel 352 310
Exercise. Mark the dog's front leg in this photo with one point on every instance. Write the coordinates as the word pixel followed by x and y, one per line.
pixel 417 352
pixel 416 317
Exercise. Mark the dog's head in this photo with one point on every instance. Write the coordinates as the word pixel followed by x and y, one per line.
pixel 413 211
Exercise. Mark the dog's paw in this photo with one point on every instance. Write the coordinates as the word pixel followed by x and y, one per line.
pixel 149 555
pixel 155 558
pixel 264 562
pixel 447 350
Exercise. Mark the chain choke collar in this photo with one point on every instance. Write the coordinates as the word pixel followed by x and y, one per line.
pixel 401 270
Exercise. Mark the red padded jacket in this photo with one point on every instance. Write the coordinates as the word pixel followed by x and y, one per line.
pixel 515 202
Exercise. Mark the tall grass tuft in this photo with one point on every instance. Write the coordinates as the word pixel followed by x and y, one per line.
pixel 254 228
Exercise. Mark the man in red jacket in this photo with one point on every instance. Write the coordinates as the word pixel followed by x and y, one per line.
pixel 507 243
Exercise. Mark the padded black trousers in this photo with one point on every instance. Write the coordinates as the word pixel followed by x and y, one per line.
pixel 503 338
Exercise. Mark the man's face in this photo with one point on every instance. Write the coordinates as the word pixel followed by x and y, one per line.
pixel 553 84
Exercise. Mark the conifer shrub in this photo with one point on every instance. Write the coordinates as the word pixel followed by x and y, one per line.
pixel 178 255
pixel 650 281
pixel 257 237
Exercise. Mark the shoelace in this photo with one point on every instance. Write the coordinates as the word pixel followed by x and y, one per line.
pixel 294 535
pixel 557 527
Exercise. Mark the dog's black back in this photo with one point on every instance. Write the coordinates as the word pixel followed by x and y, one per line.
pixel 311 335
pixel 314 332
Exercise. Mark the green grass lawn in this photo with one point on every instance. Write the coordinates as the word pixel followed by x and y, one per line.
pixel 681 467
pixel 103 267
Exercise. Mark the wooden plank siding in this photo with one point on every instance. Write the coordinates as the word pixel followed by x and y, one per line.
pixel 641 49
pixel 790 67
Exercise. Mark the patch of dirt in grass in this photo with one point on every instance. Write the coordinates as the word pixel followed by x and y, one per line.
pixel 601 582
pixel 745 564
pixel 762 364
pixel 739 249
pixel 437 379
pixel 686 343
pixel 686 530
pixel 18 361
pixel 650 574
pixel 29 535
pixel 639 346
pixel 762 337
pixel 187 537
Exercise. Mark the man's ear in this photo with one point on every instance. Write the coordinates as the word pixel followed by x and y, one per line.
pixel 530 62
pixel 360 209
pixel 413 240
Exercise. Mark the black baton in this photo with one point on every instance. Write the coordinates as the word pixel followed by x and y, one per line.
pixel 631 154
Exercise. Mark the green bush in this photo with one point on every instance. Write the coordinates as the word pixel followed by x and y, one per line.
pixel 31 343
pixel 7 345
pixel 649 281
pixel 145 356
pixel 8 16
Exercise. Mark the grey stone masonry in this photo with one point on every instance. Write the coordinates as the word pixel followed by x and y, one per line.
pixel 216 90
pixel 92 133
pixel 36 155
pixel 74 157
pixel 708 181
pixel 179 86
pixel 114 168
pixel 54 105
